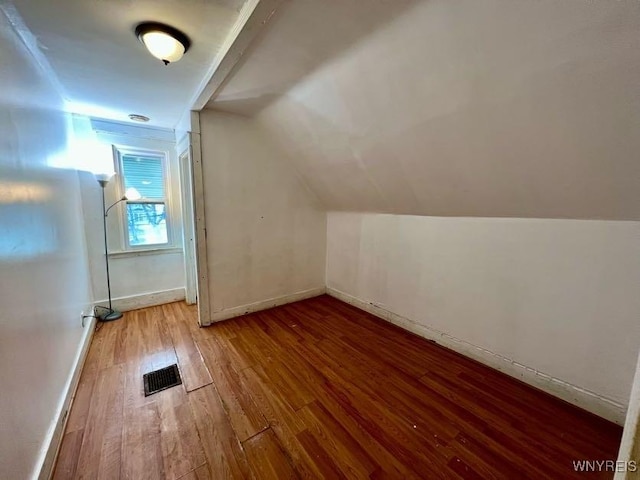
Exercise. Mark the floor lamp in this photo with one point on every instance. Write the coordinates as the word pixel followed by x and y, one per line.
pixel 110 313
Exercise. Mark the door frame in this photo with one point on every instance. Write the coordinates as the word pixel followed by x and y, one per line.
pixel 193 187
pixel 188 225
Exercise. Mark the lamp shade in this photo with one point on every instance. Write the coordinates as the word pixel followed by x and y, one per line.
pixel 163 42
pixel 103 178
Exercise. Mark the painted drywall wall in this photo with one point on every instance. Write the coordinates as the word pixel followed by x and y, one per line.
pixel 44 276
pixel 469 108
pixel 137 279
pixel 265 229
pixel 44 285
pixel 556 296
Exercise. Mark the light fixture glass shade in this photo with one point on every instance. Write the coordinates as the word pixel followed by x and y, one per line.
pixel 163 46
pixel 163 41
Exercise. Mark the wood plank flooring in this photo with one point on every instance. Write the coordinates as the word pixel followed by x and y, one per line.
pixel 315 389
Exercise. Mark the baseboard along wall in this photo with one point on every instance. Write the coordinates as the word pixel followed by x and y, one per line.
pixel 135 302
pixel 51 446
pixel 264 304
pixel 585 399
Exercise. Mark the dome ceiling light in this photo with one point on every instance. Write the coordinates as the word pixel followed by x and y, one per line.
pixel 163 42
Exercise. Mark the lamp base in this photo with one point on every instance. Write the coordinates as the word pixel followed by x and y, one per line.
pixel 110 315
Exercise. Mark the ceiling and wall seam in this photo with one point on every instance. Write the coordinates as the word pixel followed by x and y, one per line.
pixel 30 43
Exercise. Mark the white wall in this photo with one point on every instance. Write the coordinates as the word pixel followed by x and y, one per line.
pixel 555 296
pixel 137 279
pixel 44 285
pixel 265 229
pixel 44 277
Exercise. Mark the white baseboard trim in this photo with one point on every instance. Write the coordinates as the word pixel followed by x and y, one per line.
pixel 51 446
pixel 264 304
pixel 135 302
pixel 590 401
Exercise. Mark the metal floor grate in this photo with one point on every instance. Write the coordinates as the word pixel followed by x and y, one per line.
pixel 162 379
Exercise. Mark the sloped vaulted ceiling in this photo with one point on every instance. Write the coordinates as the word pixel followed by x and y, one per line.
pixel 463 108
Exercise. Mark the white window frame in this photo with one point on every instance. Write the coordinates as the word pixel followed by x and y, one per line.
pixel 123 150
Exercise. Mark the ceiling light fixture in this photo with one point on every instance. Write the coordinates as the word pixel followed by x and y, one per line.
pixel 138 118
pixel 163 42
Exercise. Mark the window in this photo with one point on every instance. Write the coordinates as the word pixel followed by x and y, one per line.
pixel 144 181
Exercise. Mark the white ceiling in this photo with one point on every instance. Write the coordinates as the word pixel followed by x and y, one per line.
pixel 301 36
pixel 23 84
pixel 89 52
pixel 488 108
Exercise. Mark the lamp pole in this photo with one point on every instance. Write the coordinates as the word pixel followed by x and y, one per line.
pixel 111 314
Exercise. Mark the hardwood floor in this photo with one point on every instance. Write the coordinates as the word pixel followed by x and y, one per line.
pixel 315 389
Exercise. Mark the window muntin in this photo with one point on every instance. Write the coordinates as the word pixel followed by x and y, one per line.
pixel 147 224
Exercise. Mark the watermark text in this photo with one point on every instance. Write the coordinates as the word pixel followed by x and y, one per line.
pixel 605 466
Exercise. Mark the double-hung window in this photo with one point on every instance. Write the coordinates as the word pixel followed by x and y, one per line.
pixel 143 177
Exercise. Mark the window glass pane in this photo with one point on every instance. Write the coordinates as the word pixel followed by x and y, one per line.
pixel 147 223
pixel 145 174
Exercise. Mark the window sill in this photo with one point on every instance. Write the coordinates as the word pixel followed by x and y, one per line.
pixel 145 251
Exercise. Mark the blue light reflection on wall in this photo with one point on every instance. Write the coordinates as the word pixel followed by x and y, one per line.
pixel 26 231
pixel 27 222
